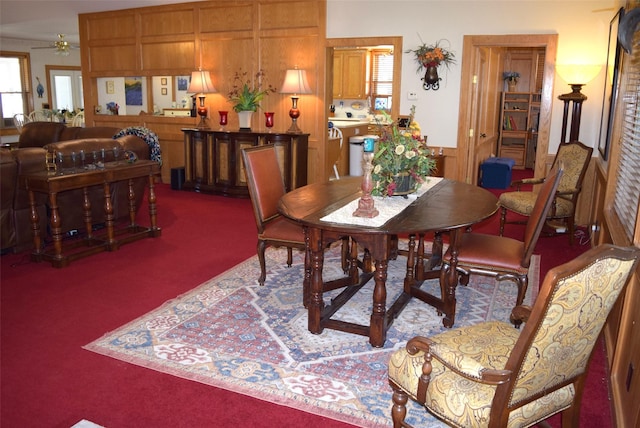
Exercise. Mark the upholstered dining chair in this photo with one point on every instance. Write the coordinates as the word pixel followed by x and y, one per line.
pixel 266 187
pixel 575 156
pixel 502 257
pixel 493 375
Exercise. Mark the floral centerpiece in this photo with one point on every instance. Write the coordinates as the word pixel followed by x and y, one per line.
pixel 432 56
pixel 400 153
pixel 246 92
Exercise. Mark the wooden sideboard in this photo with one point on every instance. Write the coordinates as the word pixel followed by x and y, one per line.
pixel 213 159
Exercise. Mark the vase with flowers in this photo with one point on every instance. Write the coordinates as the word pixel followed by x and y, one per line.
pixel 246 93
pixel 401 159
pixel 429 58
pixel 511 77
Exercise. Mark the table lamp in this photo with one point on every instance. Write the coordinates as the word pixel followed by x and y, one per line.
pixel 295 82
pixel 201 84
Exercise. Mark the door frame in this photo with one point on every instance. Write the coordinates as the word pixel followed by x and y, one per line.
pixel 467 169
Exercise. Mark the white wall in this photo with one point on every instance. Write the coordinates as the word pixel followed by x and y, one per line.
pixel 40 58
pixel 582 28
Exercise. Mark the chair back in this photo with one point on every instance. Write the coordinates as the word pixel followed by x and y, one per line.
pixel 557 341
pixel 336 134
pixel 78 120
pixel 19 120
pixel 265 182
pixel 541 208
pixel 575 157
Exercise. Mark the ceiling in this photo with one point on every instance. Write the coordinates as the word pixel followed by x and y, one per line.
pixel 42 20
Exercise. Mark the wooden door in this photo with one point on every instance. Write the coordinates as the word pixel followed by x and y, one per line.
pixel 467 118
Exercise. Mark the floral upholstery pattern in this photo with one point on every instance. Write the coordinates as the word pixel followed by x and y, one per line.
pixel 523 202
pixel 574 317
pixel 574 157
pixel 562 329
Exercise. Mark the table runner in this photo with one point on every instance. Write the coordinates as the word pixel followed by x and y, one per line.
pixel 388 207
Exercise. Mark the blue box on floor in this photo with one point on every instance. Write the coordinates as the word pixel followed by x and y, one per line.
pixel 496 173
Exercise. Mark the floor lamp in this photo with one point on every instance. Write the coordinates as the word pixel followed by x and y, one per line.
pixel 575 73
pixel 295 82
pixel 201 84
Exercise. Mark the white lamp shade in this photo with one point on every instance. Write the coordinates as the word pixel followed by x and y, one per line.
pixel 201 83
pixel 578 73
pixel 295 82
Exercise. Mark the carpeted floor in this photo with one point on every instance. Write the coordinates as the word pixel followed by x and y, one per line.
pixel 231 333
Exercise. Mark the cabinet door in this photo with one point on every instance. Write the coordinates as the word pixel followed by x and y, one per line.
pixel 349 73
pixel 354 74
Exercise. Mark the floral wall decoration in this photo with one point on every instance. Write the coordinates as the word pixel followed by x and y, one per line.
pixel 429 58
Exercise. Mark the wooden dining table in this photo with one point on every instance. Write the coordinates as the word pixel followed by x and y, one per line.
pixel 447 207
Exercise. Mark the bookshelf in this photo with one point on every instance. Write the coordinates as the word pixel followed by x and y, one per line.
pixel 519 114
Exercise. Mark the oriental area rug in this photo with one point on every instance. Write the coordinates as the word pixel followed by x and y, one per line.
pixel 234 334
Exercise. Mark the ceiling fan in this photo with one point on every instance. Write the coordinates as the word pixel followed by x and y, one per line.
pixel 61 46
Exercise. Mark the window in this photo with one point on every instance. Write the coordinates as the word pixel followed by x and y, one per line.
pixel 15 94
pixel 627 186
pixel 65 84
pixel 382 79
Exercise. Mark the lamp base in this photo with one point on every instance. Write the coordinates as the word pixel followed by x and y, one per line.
pixel 202 112
pixel 294 129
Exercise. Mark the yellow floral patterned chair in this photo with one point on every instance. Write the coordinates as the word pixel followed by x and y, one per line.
pixel 493 375
pixel 575 156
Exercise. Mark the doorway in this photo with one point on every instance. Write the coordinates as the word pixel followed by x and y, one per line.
pixel 65 87
pixel 481 83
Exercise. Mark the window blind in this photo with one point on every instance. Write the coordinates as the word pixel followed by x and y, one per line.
pixel 627 186
pixel 382 73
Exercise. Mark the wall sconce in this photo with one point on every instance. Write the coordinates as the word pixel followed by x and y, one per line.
pixel 295 82
pixel 201 83
pixel 577 76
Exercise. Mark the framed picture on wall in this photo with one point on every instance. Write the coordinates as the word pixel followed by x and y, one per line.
pixel 611 84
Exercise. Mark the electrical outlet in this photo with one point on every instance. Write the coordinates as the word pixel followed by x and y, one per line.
pixel 412 96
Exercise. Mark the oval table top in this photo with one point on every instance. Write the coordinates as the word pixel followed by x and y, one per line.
pixel 447 205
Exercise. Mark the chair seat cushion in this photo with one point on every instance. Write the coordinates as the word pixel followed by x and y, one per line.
pixel 282 229
pixel 460 400
pixel 490 251
pixel 523 202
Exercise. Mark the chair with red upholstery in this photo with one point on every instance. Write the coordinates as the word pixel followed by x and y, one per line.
pixel 266 187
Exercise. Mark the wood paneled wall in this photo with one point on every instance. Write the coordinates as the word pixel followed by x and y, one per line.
pixel 223 37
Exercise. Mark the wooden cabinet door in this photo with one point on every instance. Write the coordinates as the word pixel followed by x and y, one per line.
pixel 349 73
pixel 354 74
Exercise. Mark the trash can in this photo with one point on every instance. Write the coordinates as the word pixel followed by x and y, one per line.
pixel 356 145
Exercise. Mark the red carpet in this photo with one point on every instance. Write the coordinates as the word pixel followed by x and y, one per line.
pixel 48 314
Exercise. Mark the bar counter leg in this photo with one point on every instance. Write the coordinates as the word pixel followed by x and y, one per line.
pixel 56 232
pixel 155 230
pixel 86 206
pixel 36 256
pixel 112 244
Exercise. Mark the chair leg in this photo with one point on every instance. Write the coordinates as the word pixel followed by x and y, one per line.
pixel 503 219
pixel 399 409
pixel 263 266
pixel 289 256
pixel 345 254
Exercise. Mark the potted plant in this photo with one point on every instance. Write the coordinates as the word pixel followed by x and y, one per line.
pixel 430 57
pixel 401 161
pixel 246 93
pixel 511 77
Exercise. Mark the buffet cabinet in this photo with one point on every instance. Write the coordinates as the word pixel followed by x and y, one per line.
pixel 213 159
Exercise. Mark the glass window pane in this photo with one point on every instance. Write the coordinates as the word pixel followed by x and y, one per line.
pixel 11 105
pixel 64 93
pixel 10 72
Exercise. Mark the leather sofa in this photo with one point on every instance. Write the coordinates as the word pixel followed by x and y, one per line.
pixel 38 138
